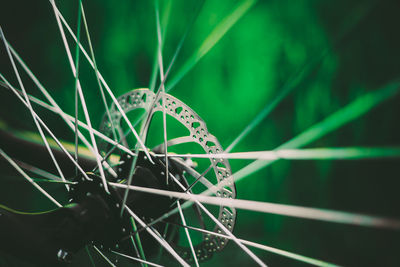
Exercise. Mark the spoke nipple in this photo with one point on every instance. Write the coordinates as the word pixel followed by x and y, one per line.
pixel 64 256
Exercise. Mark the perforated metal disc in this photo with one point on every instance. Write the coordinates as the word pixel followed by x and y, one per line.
pixel 146 99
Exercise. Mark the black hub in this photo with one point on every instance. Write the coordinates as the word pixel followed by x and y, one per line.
pixel 92 216
pixel 113 227
pixel 115 231
pixel 147 174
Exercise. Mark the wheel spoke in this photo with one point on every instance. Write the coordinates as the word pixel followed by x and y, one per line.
pixel 37 171
pixel 164 25
pixel 104 257
pixel 199 177
pixel 273 208
pixel 173 142
pixel 90 256
pixel 115 101
pixel 136 259
pixel 187 233
pixel 44 192
pixel 54 104
pixel 166 73
pixel 46 128
pixel 81 96
pixel 78 33
pixel 103 96
pixel 148 113
pixel 352 111
pixel 161 68
pixel 178 49
pixel 294 81
pixel 326 153
pixel 212 39
pixel 277 251
pixel 217 222
pixel 69 118
pixel 29 106
pixel 139 249
pixel 296 148
pixel 157 237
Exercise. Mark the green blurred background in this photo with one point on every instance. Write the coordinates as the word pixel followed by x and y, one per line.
pixel 331 52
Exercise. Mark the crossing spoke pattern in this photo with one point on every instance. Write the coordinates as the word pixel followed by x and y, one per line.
pixel 197 179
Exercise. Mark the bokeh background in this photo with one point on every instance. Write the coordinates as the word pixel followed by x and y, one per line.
pixel 331 52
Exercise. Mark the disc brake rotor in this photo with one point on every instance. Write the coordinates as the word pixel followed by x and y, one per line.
pixel 146 99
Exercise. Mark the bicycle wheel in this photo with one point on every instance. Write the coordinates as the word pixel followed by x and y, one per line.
pixel 319 78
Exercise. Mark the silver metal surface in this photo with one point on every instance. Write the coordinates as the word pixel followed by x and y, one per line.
pixel 144 99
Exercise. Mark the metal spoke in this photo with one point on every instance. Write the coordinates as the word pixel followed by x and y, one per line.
pixel 187 234
pixel 29 106
pixel 296 78
pixel 82 98
pixel 136 259
pixel 157 237
pixel 44 192
pixel 104 257
pixel 46 128
pixel 161 68
pixel 78 30
pixel 136 239
pixel 273 208
pixel 352 111
pixel 55 107
pixel 277 251
pixel 90 256
pixel 212 39
pixel 114 99
pixel 326 153
pixel 220 225
pixel 103 97
pixel 164 24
